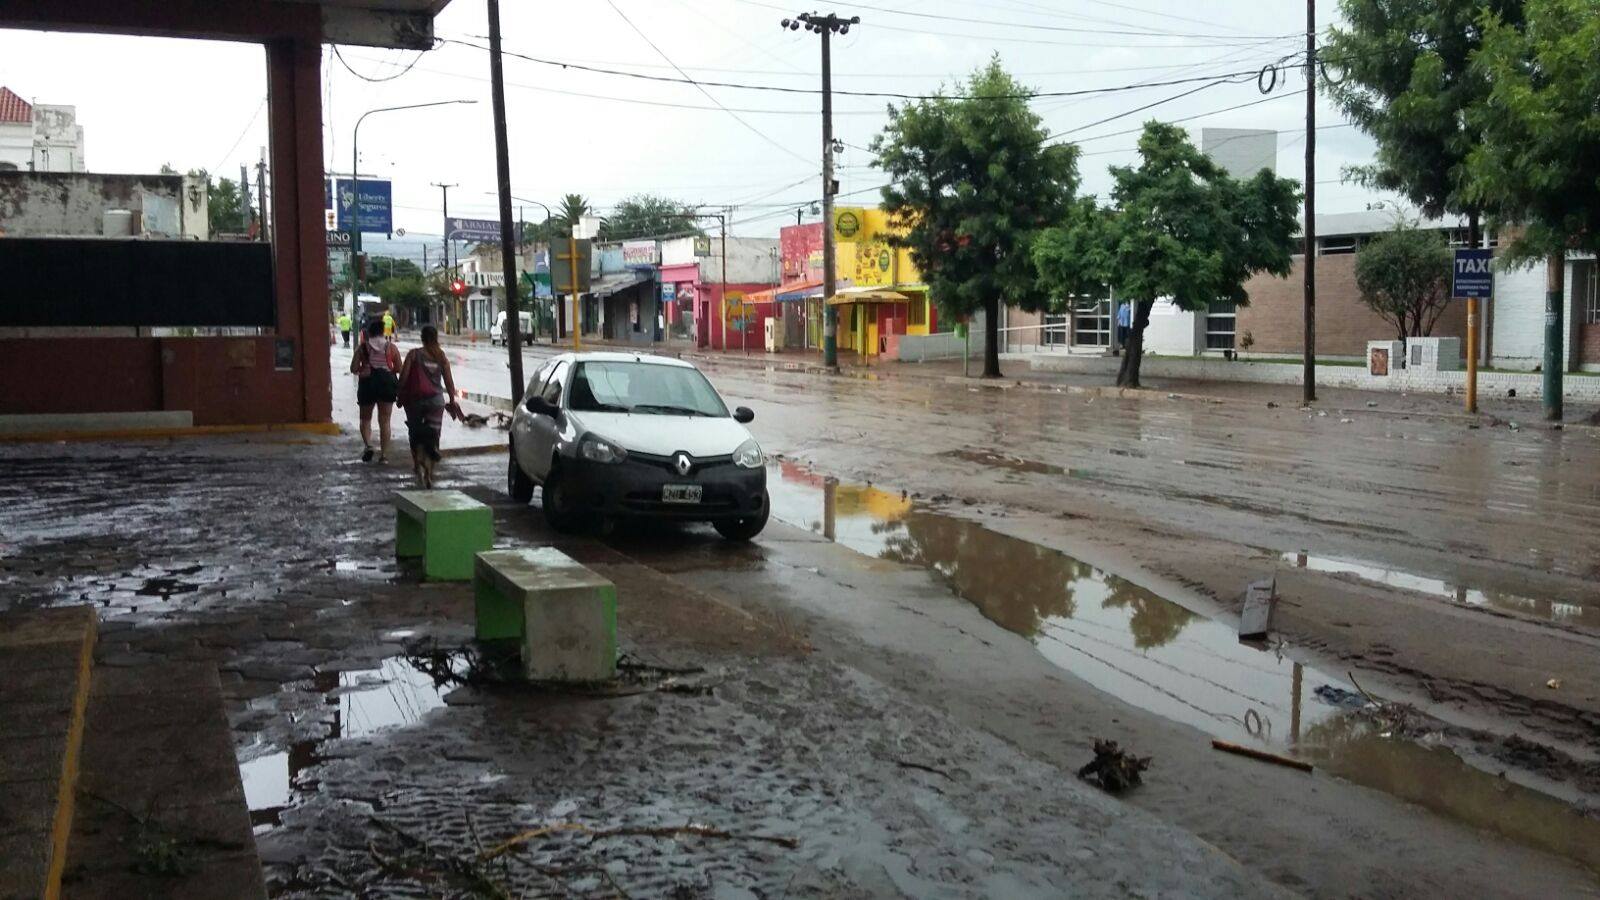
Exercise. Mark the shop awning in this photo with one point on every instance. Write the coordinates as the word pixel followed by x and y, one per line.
pixel 869 295
pixel 803 289
pixel 606 285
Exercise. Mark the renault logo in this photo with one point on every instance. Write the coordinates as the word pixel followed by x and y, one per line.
pixel 682 463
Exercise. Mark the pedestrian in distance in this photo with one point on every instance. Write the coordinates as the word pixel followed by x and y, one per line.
pixel 344 328
pixel 388 324
pixel 376 364
pixel 427 392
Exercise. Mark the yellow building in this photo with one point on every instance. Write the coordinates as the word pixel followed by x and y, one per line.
pixel 886 296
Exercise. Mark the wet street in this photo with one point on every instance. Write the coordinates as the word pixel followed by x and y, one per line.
pixel 889 692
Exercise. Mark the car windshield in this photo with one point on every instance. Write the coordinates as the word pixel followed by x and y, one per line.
pixel 644 388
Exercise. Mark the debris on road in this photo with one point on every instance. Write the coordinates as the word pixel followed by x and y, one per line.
pixel 1259 598
pixel 1262 755
pixel 1113 768
pixel 1553 684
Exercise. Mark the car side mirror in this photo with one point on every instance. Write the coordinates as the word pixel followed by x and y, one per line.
pixel 744 415
pixel 539 406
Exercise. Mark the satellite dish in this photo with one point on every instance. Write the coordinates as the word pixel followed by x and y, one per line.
pixel 400 232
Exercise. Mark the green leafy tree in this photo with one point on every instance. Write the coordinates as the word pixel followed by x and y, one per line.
pixel 646 215
pixel 1402 72
pixel 382 267
pixel 1179 227
pixel 973 183
pixel 1536 163
pixel 403 291
pixel 1402 276
pixel 573 207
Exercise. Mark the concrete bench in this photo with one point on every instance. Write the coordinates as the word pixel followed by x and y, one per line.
pixel 445 528
pixel 564 614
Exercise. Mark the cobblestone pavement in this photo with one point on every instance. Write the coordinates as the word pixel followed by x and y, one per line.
pixel 272 560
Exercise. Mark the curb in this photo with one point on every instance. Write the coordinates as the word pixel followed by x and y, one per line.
pixel 134 434
pixel 474 450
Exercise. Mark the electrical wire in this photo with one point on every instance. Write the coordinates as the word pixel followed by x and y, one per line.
pixel 736 117
pixel 375 79
pixel 889 95
pixel 236 141
pixel 1031 26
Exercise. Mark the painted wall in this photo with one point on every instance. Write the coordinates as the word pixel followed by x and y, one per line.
pixel 1519 300
pixel 16 146
pixel 64 204
pixel 57 139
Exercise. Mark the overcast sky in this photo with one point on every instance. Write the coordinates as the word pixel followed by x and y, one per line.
pixel 144 102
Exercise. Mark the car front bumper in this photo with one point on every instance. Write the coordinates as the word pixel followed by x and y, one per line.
pixel 633 488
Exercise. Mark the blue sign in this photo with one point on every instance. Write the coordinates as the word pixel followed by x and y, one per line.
pixel 376 209
pixel 482 231
pixel 669 291
pixel 1473 275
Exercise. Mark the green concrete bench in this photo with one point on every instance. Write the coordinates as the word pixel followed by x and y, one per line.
pixel 564 614
pixel 445 528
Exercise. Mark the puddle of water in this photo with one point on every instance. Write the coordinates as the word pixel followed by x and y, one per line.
pixel 359 703
pixel 1163 657
pixel 1553 610
pixel 1002 461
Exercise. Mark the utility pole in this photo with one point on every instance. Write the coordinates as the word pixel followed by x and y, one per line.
pixel 444 191
pixel 508 241
pixel 244 195
pixel 826 27
pixel 261 191
pixel 1309 375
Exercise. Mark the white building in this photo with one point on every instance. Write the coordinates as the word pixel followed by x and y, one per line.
pixel 39 138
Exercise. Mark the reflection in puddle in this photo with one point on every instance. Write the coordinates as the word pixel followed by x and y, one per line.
pixel 1165 658
pixel 1002 461
pixel 358 703
pixel 1553 610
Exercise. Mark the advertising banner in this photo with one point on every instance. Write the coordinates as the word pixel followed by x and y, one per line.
pixel 481 231
pixel 640 253
pixel 376 209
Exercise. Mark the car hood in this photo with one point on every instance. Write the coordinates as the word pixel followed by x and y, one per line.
pixel 665 435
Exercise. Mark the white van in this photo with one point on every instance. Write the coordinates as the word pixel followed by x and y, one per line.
pixel 497 334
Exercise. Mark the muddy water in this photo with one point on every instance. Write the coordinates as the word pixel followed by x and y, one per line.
pixel 1551 610
pixel 1165 658
pixel 356 704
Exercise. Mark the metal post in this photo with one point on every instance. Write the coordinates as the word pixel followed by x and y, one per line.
pixel 830 313
pixel 460 304
pixel 261 191
pixel 722 221
pixel 508 241
pixel 573 283
pixel 1309 375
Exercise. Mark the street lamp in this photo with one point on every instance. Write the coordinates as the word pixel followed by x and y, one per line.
pixel 355 187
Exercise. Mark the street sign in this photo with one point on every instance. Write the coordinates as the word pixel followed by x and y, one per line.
pixel 482 231
pixel 377 205
pixel 1473 274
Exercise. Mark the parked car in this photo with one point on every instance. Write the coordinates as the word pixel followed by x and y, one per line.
pixel 620 435
pixel 497 332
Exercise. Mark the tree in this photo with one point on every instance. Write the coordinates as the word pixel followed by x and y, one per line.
pixel 1179 227
pixel 1402 275
pixel 225 207
pixel 646 215
pixel 1535 164
pixel 404 291
pixel 393 267
pixel 1408 81
pixel 973 183
pixel 573 207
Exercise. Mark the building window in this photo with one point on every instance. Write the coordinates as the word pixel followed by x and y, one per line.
pixel 1338 245
pixel 917 312
pixel 1458 238
pixel 1091 323
pixel 1587 285
pixel 1055 330
pixel 1220 321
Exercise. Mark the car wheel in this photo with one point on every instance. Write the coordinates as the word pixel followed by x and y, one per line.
pixel 558 511
pixel 518 484
pixel 746 528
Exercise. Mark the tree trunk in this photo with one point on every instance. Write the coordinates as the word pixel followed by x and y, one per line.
pixel 1133 351
pixel 991 337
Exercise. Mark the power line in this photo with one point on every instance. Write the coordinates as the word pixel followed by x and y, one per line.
pixel 374 79
pixel 236 141
pixel 1031 26
pixel 890 95
pixel 758 132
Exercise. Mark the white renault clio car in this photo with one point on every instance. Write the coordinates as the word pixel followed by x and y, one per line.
pixel 620 435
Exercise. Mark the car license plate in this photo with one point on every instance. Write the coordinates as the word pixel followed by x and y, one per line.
pixel 680 493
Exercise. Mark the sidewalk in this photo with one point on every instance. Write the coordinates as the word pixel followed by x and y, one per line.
pixel 456 440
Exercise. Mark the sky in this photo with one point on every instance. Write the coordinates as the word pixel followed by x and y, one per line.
pixel 146 102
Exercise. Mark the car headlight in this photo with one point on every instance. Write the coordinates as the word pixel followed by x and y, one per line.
pixel 600 450
pixel 749 455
